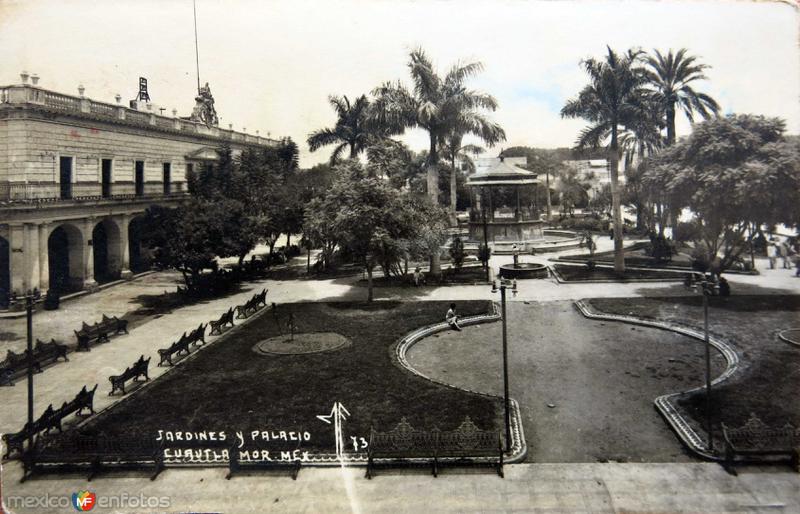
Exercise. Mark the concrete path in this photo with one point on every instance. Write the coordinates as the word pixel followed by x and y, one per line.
pixel 556 488
pixel 538 485
pixel 585 388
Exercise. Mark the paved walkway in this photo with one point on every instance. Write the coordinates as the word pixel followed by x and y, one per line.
pixel 554 488
pixel 585 388
pixel 544 486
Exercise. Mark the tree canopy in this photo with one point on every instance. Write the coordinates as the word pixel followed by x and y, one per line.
pixel 731 173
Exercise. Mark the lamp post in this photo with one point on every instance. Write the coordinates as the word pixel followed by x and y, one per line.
pixel 502 286
pixel 706 287
pixel 30 297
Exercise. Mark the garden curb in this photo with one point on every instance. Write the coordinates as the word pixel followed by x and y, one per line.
pixel 519 447
pixel 664 403
pixel 787 339
pixel 561 280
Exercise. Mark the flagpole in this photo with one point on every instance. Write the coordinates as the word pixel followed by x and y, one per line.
pixel 196 51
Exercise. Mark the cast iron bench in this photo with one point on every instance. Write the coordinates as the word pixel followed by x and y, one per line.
pixel 405 445
pixel 225 319
pixel 139 369
pixel 181 345
pixel 89 333
pixel 50 418
pixel 756 439
pixel 17 362
pixel 115 323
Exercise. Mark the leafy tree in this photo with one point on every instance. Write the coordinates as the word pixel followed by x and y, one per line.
pixel 350 132
pixel 438 105
pixel 573 191
pixel 613 98
pixel 457 252
pixel 376 224
pixel 733 173
pixel 671 77
pixel 189 237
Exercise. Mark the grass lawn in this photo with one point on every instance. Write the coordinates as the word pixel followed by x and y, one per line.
pixel 470 274
pixel 229 387
pixel 581 273
pixel 768 380
pixel 634 256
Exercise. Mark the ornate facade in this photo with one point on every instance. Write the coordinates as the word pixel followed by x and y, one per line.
pixel 75 177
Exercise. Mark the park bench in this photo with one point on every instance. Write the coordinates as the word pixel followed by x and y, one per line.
pixel 181 345
pixel 755 440
pixel 92 453
pixel 88 333
pixel 139 369
pixel 50 418
pixel 252 305
pixel 198 335
pixel 15 441
pixel 405 445
pixel 17 362
pixel 225 319
pixel 236 463
pixel 115 323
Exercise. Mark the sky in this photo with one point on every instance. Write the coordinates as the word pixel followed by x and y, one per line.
pixel 272 64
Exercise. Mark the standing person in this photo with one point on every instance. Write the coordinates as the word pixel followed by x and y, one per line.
pixel 417 277
pixel 515 251
pixel 452 318
pixel 772 253
pixel 785 254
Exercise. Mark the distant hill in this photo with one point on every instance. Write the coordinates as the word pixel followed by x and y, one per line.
pixel 559 154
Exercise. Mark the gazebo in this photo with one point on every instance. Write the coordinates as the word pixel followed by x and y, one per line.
pixel 503 212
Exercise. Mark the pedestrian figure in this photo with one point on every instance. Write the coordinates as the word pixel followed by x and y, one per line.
pixel 417 277
pixel 452 318
pixel 783 250
pixel 772 253
pixel 515 251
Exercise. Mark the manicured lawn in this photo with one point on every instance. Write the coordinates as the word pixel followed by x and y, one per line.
pixel 471 274
pixel 768 381
pixel 582 273
pixel 228 386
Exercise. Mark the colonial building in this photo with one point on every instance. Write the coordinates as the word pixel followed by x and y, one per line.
pixel 77 174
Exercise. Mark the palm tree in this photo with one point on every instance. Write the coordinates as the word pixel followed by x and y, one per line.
pixel 439 105
pixel 614 97
pixel 671 76
pixel 453 150
pixel 351 128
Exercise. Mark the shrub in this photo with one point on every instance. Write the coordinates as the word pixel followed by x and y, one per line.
pixel 292 251
pixel 457 252
pixel 661 248
pixel 684 232
pixel 484 253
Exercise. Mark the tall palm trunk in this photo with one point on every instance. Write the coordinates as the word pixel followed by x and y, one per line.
pixel 453 177
pixel 616 208
pixel 671 124
pixel 353 153
pixel 547 186
pixel 433 194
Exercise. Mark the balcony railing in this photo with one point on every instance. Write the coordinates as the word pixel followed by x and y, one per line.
pixel 11 193
pixel 27 94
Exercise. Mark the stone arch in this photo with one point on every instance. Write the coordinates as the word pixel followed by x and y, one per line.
pixel 139 257
pixel 65 258
pixel 106 251
pixel 5 272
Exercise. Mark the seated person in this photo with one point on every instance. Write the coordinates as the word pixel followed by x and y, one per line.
pixel 452 318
